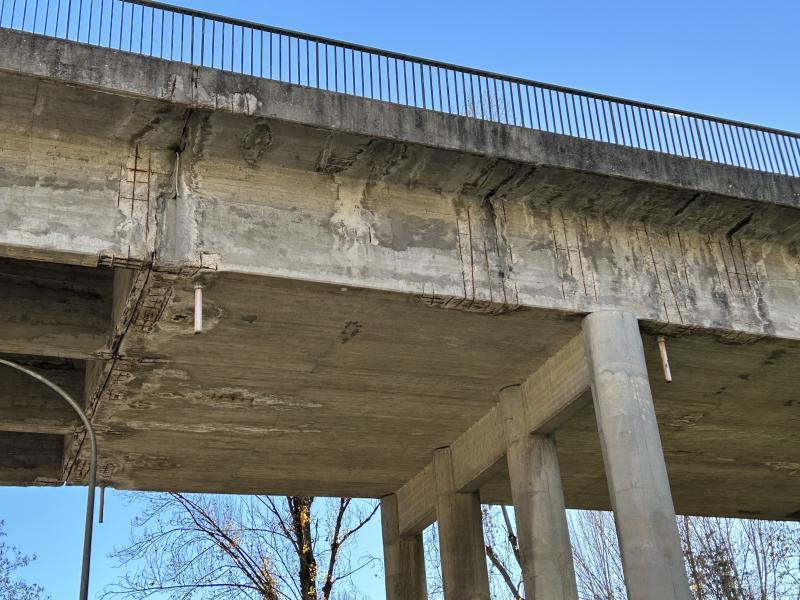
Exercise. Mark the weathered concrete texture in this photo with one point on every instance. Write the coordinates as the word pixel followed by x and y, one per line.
pixel 650 546
pixel 403 557
pixel 457 229
pixel 374 276
pixel 141 76
pixel 53 310
pixel 461 545
pixel 283 368
pixel 28 406
pixel 31 458
pixel 545 549
pixel 80 189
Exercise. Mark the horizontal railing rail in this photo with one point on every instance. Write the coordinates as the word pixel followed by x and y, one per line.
pixel 203 39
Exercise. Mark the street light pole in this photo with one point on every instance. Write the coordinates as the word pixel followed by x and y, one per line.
pixel 87 532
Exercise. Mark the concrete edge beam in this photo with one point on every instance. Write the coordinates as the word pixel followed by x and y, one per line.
pixel 199 87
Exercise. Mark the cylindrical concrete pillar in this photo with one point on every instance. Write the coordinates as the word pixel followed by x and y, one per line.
pixel 652 558
pixel 542 529
pixel 461 545
pixel 403 557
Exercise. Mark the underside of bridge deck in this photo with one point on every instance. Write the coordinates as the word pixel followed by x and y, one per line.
pixel 331 390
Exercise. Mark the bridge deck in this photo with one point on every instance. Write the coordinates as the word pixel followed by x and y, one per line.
pixel 373 275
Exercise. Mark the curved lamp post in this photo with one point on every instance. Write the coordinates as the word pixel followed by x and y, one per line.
pixel 87 532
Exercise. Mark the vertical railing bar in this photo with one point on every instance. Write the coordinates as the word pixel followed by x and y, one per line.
pixel 769 143
pixel 633 113
pixel 421 85
pixel 591 120
pixel 513 108
pixel 505 100
pixel 371 75
pixel 162 25
pixel 771 164
pixel 764 151
pixel 669 118
pixel 627 124
pixel 448 95
pixel 733 148
pixel 794 145
pixel 644 119
pixel 396 82
pixel 710 134
pixel 769 138
pixel 743 141
pixel 380 77
pixel 678 131
pixel 776 143
pixel 725 158
pixel 787 144
pixel 492 109
pixel 88 25
pixel 430 86
pixel 613 122
pixel 521 106
pixel 606 128
pixel 439 88
pixel 748 136
pixel 687 134
pixel 654 117
pixel 46 14
pixel 699 139
pixel 472 95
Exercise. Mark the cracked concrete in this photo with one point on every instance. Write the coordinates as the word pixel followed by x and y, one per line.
pixel 372 275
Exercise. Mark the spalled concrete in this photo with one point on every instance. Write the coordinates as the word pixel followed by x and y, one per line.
pixel 373 276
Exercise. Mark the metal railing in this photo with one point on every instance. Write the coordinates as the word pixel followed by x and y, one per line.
pixel 203 39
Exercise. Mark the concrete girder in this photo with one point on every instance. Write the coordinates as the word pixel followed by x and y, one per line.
pixel 557 389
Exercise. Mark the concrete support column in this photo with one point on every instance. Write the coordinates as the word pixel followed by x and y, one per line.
pixel 637 477
pixel 542 530
pixel 403 557
pixel 461 545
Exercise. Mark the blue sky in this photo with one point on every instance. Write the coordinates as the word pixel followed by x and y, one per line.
pixel 737 59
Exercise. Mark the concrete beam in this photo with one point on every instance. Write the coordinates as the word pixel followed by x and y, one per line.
pixel 652 558
pixel 28 406
pixel 129 306
pixel 462 548
pixel 551 395
pixel 539 508
pixel 30 458
pixel 53 310
pixel 351 192
pixel 403 557
pixel 145 77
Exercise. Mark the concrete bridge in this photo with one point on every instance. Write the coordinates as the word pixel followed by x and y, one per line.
pixel 433 305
